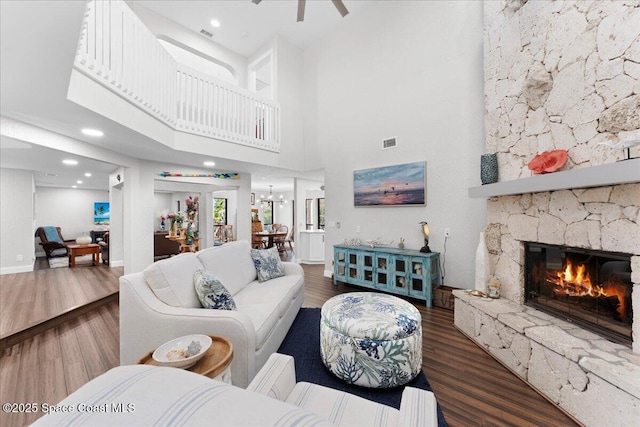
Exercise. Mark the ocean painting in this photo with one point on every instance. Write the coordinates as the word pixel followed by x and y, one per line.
pixel 390 185
pixel 101 213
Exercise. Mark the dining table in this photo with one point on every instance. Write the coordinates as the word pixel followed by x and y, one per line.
pixel 270 235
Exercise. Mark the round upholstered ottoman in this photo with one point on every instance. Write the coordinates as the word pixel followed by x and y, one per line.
pixel 370 339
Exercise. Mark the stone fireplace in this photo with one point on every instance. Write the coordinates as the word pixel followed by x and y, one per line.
pixel 561 75
pixel 569 364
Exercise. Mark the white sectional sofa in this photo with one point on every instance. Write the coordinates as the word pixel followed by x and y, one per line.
pixel 161 303
pixel 149 395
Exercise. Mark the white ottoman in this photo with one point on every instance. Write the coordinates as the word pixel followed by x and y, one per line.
pixel 370 339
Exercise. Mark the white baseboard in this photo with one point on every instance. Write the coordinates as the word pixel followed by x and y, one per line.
pixel 328 273
pixel 18 269
pixel 116 263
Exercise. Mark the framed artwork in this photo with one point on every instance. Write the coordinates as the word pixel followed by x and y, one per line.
pixel 399 185
pixel 101 213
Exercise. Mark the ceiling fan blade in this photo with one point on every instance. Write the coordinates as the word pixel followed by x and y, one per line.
pixel 341 7
pixel 256 1
pixel 301 5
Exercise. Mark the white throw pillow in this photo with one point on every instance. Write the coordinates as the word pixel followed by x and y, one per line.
pixel 171 280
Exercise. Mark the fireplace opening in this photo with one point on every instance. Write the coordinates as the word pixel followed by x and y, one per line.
pixel 587 287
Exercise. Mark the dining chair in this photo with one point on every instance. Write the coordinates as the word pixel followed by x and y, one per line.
pixel 289 238
pixel 280 240
pixel 227 233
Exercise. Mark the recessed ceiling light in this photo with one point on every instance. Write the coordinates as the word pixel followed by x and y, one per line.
pixel 78 182
pixel 88 174
pixel 70 162
pixel 74 186
pixel 92 132
pixel 215 23
pixel 209 163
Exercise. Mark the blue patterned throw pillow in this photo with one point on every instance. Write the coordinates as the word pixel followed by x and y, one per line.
pixel 268 264
pixel 211 292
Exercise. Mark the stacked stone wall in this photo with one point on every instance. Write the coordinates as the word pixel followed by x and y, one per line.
pixel 560 75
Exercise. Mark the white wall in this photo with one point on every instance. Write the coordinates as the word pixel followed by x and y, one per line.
pixel 71 209
pixel 163 28
pixel 412 70
pixel 16 221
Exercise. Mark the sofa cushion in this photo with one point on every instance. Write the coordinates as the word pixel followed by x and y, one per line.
pixel 266 303
pixel 231 263
pixel 277 292
pixel 172 280
pixel 268 264
pixel 211 291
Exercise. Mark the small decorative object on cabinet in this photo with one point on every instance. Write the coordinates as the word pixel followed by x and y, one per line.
pixel 425 233
pixel 489 168
pixel 398 271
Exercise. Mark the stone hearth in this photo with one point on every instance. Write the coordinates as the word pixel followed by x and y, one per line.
pixel 594 380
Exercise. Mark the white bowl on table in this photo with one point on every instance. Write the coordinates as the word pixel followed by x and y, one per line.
pixel 160 355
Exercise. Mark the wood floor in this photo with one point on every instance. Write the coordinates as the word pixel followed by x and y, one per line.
pixel 27 299
pixel 471 387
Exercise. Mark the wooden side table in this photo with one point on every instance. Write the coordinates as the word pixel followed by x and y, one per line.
pixel 215 364
pixel 78 250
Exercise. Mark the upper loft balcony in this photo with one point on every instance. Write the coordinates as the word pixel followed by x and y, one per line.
pixel 120 53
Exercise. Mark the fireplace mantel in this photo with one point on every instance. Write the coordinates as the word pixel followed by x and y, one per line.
pixel 621 172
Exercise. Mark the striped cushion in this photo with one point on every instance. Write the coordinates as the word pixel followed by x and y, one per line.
pixel 142 395
pixel 342 409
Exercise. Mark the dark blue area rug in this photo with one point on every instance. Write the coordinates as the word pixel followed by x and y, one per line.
pixel 303 343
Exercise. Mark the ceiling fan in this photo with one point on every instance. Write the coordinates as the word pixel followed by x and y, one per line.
pixel 301 4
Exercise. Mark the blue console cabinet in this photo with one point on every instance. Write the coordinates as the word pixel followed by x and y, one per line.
pixel 398 271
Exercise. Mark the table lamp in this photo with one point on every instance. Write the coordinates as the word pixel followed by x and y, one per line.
pixel 425 233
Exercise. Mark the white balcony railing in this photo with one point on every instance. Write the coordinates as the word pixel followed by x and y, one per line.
pixel 118 51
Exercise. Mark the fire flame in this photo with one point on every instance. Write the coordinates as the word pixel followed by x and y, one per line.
pixel 576 282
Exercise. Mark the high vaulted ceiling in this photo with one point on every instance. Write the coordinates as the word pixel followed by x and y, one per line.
pixel 37 46
pixel 245 27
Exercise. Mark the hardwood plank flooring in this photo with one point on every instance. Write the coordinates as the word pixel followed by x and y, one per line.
pixel 27 299
pixel 471 387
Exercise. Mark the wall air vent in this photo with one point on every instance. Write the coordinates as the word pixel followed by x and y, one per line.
pixel 389 143
pixel 206 33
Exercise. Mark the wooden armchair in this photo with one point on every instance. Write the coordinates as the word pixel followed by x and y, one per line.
pixel 52 242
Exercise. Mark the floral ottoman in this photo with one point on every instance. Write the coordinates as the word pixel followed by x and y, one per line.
pixel 370 339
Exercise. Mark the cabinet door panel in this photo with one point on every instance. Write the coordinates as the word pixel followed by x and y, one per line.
pixel 399 274
pixel 366 265
pixel 383 263
pixel 418 276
